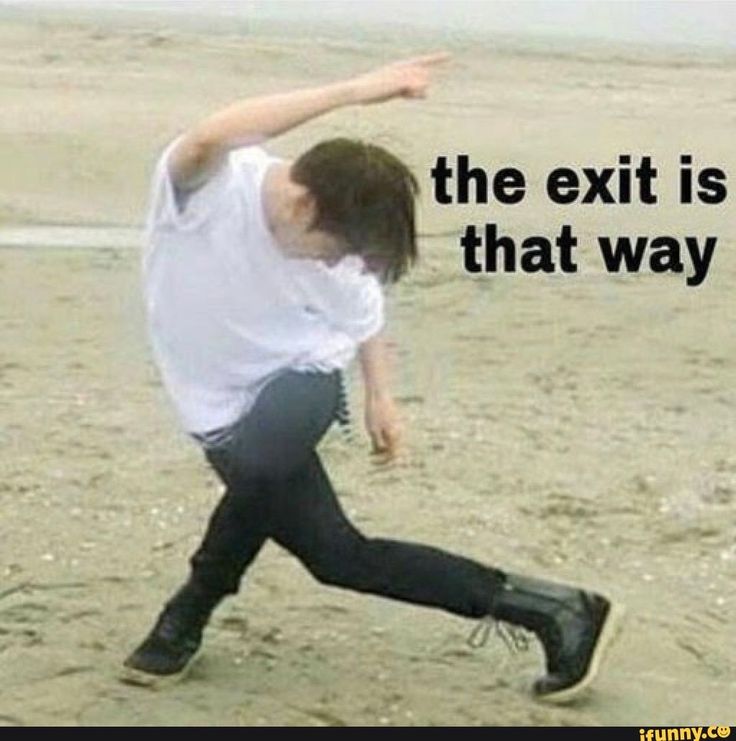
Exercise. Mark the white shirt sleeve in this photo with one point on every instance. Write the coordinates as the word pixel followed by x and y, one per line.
pixel 170 208
pixel 187 211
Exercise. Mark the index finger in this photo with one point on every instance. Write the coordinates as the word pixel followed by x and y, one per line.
pixel 435 58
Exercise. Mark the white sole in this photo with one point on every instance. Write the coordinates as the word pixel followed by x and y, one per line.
pixel 610 632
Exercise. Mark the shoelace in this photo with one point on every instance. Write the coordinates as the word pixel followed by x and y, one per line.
pixel 516 639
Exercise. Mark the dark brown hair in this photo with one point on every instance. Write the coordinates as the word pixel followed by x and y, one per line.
pixel 365 196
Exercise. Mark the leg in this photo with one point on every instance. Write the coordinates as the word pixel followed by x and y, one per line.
pixel 573 626
pixel 235 534
pixel 311 524
pixel 289 417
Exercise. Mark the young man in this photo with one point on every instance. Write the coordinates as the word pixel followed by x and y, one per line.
pixel 263 278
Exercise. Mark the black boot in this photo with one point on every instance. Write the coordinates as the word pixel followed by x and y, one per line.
pixel 574 627
pixel 176 637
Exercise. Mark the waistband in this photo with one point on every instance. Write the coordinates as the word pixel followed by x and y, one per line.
pixel 216 437
pixel 221 435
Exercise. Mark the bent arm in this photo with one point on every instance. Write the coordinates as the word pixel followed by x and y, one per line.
pixel 203 148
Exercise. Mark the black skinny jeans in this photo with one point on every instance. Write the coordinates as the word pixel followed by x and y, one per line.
pixel 277 488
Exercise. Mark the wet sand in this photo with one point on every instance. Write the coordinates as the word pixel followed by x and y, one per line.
pixel 577 427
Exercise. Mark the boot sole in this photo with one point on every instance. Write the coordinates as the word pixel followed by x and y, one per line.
pixel 609 632
pixel 140 678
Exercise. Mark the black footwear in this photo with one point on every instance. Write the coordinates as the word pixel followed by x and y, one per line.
pixel 574 627
pixel 167 651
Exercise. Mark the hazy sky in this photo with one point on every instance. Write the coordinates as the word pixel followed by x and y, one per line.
pixel 672 21
pixel 697 21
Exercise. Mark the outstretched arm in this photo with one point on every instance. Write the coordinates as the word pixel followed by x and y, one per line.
pixel 202 149
pixel 381 414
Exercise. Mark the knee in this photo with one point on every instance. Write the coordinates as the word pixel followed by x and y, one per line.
pixel 347 564
pixel 332 573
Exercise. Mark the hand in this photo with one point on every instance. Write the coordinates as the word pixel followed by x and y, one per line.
pixel 384 427
pixel 407 78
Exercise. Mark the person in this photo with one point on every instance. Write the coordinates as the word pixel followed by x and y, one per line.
pixel 264 279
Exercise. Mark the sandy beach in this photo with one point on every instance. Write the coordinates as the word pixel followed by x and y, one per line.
pixel 578 427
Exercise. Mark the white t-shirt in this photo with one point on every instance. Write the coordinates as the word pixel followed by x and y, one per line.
pixel 227 310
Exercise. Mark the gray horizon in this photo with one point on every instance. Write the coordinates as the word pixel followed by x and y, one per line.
pixel 680 22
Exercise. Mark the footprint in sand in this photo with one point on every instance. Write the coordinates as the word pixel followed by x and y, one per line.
pixel 69 670
pixel 235 624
